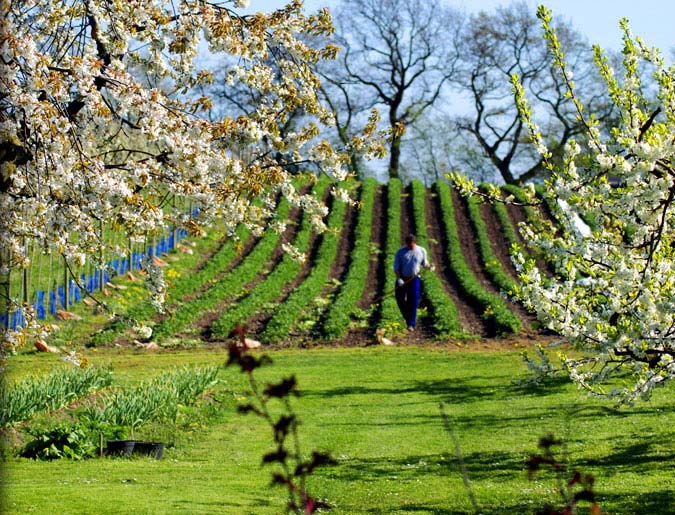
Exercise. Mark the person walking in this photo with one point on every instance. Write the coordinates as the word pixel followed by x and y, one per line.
pixel 408 262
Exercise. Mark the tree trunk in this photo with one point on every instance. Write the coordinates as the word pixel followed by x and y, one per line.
pixel 394 157
pixel 5 304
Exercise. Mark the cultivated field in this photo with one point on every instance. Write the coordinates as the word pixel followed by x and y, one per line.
pixel 343 291
pixel 375 409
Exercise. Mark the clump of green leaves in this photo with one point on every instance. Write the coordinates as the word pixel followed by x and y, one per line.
pixel 60 440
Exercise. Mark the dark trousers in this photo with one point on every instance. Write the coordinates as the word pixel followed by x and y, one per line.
pixel 408 298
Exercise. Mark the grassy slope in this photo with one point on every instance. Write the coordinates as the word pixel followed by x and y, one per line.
pixel 376 411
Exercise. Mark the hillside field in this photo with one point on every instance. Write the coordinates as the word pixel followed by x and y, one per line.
pixel 344 289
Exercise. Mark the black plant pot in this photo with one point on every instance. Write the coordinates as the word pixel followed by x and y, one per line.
pixel 135 447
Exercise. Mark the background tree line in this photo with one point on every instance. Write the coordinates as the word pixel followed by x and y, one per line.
pixel 443 75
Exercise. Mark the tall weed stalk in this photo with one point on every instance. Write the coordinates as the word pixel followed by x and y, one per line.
pixel 287 453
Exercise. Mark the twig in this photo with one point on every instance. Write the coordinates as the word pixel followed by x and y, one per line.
pixel 460 459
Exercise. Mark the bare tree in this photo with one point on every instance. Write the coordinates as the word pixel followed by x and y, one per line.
pixel 396 53
pixel 435 147
pixel 507 41
pixel 349 107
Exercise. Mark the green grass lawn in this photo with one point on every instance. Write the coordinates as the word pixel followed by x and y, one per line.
pixel 376 410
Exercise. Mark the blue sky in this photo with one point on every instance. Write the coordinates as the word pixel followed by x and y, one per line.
pixel 652 20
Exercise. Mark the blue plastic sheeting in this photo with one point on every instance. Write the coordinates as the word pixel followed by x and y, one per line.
pixel 91 282
pixel 16 320
pixel 61 292
pixel 52 302
pixel 40 305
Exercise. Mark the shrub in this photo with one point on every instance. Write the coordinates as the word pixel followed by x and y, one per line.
pixel 60 440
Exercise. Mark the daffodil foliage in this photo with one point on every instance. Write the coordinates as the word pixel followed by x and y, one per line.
pixel 101 123
pixel 610 289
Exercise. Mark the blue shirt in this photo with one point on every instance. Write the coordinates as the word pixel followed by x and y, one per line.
pixel 407 262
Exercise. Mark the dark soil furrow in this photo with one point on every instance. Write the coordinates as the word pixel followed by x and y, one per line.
pixel 469 315
pixel 376 273
pixel 340 265
pixel 498 242
pixel 517 215
pixel 378 236
pixel 467 238
pixel 407 220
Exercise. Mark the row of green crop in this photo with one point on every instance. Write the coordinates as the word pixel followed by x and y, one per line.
pixel 228 287
pixel 340 312
pixel 268 290
pixel 20 401
pixel 495 310
pixel 443 310
pixel 508 230
pixel 390 317
pixel 288 313
pixel 491 264
pixel 179 287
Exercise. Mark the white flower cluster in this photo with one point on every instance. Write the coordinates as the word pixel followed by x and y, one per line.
pixel 612 294
pixel 294 253
pixel 155 283
pixel 108 133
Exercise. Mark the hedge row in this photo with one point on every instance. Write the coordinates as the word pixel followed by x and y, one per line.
pixel 492 266
pixel 288 313
pixel 390 317
pixel 268 290
pixel 339 314
pixel 443 310
pixel 495 310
